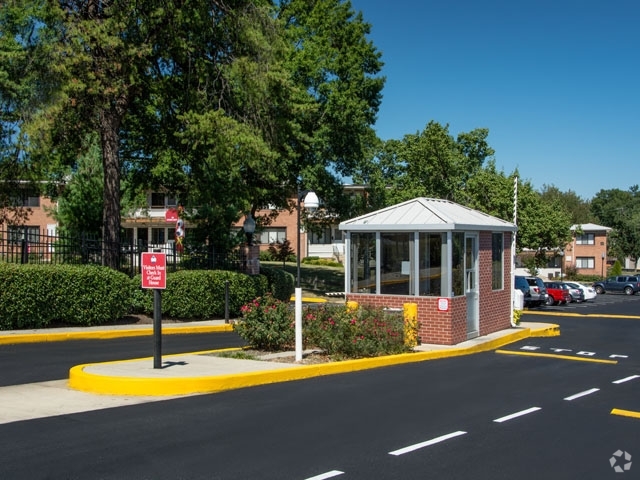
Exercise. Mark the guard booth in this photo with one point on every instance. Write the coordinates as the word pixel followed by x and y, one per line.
pixel 454 262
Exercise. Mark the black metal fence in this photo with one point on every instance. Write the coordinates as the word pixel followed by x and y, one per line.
pixel 30 245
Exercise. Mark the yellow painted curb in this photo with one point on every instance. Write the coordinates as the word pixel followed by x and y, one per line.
pixel 585 315
pixel 625 413
pixel 309 299
pixel 551 330
pixel 554 355
pixel 107 334
pixel 79 379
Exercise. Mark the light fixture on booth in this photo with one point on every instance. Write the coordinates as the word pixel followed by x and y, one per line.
pixel 311 203
pixel 249 228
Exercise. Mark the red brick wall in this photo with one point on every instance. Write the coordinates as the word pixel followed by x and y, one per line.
pixel 573 250
pixel 40 216
pixel 450 327
pixel 495 305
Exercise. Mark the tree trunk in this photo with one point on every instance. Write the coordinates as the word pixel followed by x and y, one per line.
pixel 109 136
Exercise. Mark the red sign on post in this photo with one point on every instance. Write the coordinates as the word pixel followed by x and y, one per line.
pixel 171 215
pixel 154 270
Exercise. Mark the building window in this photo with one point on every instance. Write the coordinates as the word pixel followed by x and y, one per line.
pixel 497 261
pixel 157 200
pixel 585 262
pixel 585 239
pixel 322 238
pixel 17 234
pixel 157 235
pixel 272 235
pixel 26 199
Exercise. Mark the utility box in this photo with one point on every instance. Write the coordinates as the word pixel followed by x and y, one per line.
pixel 518 299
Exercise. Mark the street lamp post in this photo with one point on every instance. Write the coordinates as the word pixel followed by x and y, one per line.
pixel 311 202
pixel 602 265
pixel 561 253
pixel 249 227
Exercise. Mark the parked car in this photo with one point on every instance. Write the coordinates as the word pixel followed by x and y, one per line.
pixel 535 293
pixel 576 293
pixel 557 293
pixel 588 292
pixel 629 285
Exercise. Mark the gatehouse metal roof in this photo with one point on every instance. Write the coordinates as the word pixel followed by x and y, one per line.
pixel 426 214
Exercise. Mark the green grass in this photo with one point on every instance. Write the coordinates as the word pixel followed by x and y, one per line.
pixel 315 279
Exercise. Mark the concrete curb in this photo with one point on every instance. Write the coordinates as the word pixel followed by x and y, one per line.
pixel 81 379
pixel 49 336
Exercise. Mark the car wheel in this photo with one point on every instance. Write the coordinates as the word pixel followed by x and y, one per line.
pixel 628 291
pixel 599 290
pixel 550 301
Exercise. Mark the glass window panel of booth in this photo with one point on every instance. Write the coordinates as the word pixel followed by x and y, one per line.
pixel 431 262
pixel 497 261
pixel 395 271
pixel 457 264
pixel 363 261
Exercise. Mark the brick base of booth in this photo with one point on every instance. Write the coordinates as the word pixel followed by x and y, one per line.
pixel 443 321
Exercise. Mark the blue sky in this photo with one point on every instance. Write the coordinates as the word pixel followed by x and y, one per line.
pixel 555 82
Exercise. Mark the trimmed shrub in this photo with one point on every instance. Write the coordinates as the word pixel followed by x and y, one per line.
pixel 326 262
pixel 281 282
pixel 200 294
pixel 35 296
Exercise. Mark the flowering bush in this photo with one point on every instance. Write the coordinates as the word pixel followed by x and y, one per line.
pixel 354 333
pixel 516 317
pixel 341 331
pixel 267 324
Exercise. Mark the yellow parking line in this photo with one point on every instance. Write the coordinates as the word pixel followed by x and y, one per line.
pixel 554 355
pixel 625 413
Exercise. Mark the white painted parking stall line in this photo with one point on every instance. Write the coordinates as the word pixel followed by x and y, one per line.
pixel 582 394
pixel 433 441
pixel 517 414
pixel 323 476
pixel 626 379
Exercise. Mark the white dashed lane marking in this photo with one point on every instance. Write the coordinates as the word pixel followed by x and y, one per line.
pixel 582 394
pixel 517 414
pixel 433 441
pixel 626 379
pixel 324 476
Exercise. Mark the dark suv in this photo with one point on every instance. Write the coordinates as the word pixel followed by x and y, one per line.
pixel 535 293
pixel 629 285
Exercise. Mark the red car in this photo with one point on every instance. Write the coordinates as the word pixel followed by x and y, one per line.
pixel 557 294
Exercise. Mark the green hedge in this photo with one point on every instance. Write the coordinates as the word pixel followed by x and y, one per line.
pixel 200 294
pixel 35 296
pixel 281 282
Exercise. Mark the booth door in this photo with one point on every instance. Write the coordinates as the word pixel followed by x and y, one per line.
pixel 471 284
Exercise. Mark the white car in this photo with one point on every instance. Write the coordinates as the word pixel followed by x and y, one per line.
pixel 589 292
